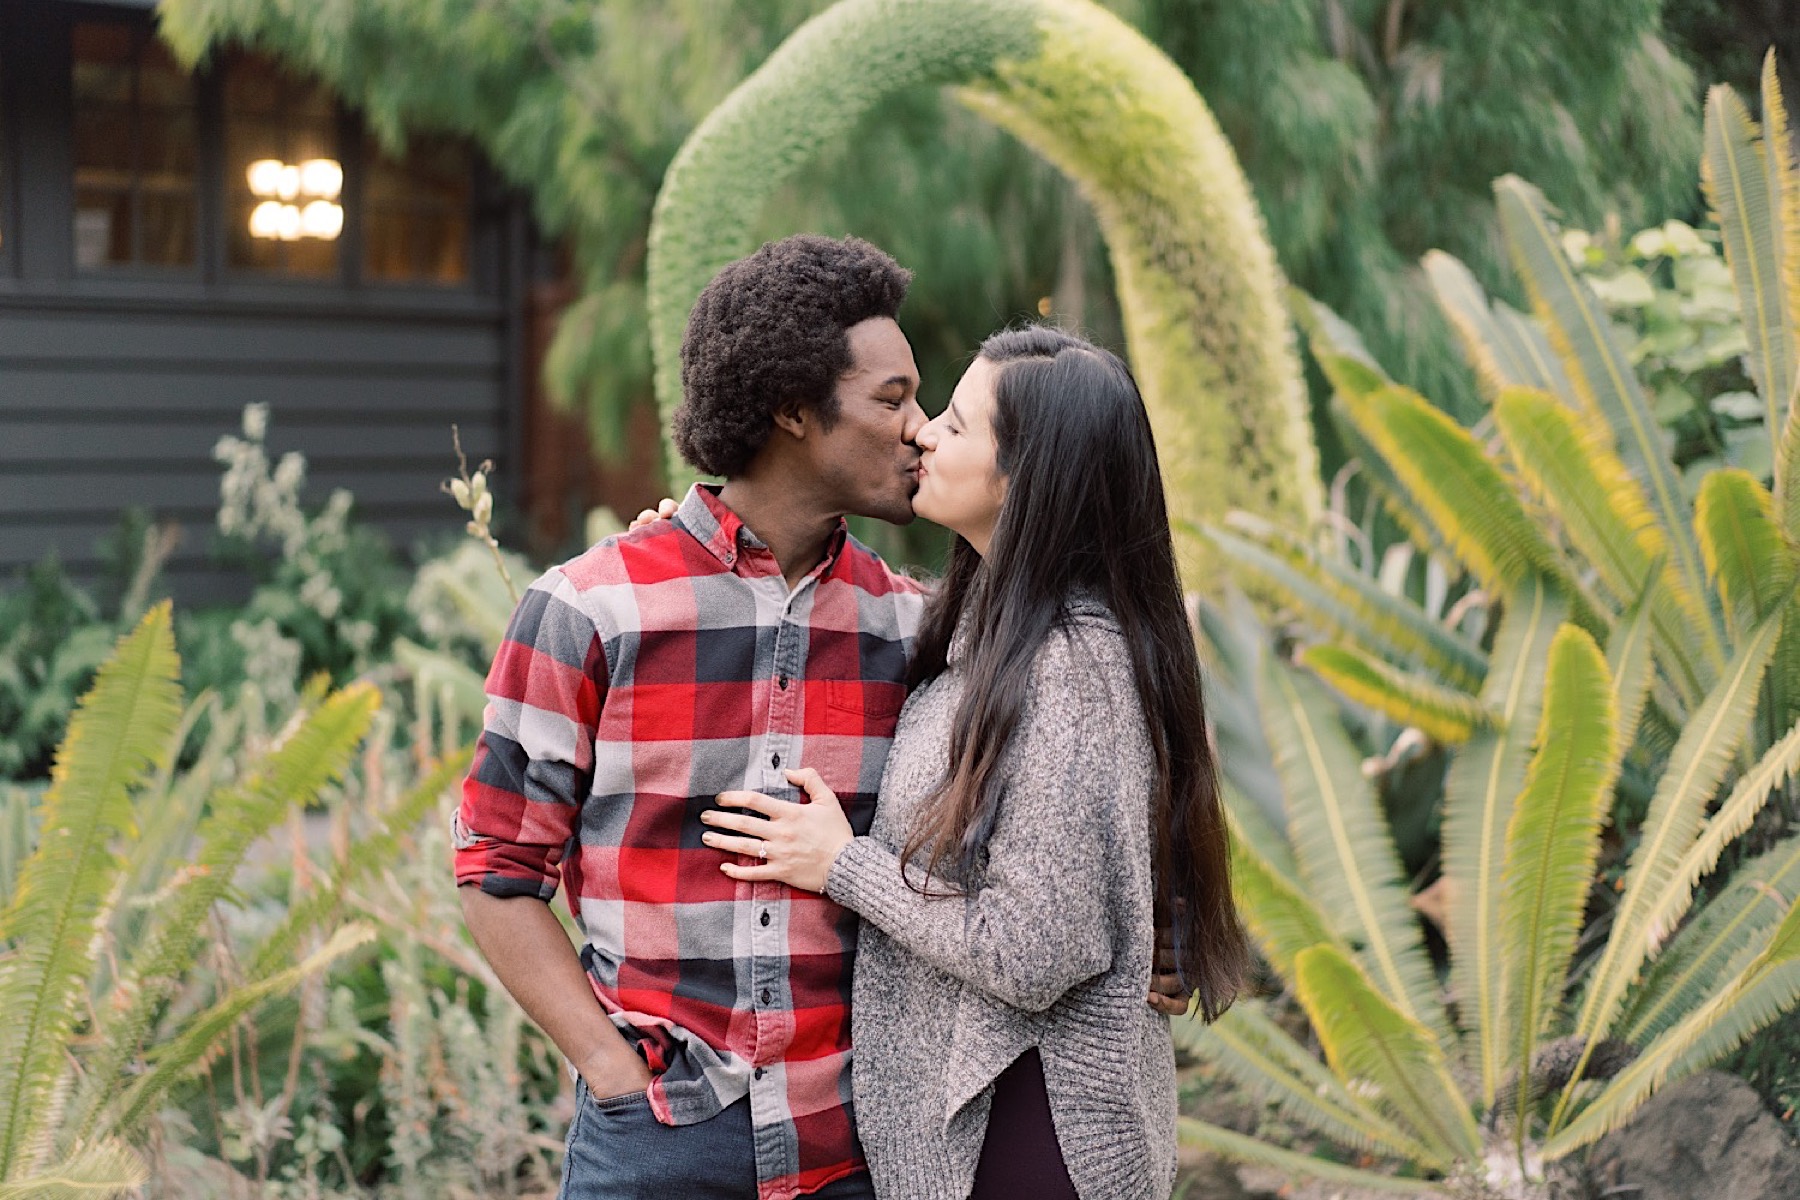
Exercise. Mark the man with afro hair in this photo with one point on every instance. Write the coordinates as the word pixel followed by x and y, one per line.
pixel 746 632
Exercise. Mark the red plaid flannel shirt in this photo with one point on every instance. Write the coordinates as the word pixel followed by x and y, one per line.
pixel 635 683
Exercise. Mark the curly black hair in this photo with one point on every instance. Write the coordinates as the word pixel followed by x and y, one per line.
pixel 769 331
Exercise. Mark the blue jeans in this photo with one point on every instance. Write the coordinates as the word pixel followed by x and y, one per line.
pixel 617 1150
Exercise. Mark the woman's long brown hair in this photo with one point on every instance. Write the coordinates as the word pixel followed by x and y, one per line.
pixel 1084 513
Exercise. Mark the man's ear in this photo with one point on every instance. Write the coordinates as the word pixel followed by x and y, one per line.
pixel 794 419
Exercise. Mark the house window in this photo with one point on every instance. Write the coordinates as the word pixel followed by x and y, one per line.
pixel 283 172
pixel 416 212
pixel 136 149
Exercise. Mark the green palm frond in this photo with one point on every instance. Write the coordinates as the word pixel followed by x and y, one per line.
pixel 1784 187
pixel 1553 839
pixel 1601 372
pixel 317 752
pixel 368 853
pixel 1265 1059
pixel 1371 1043
pixel 189 1051
pixel 1569 465
pixel 1280 916
pixel 1444 714
pixel 1342 842
pixel 1629 662
pixel 1749 1001
pixel 1387 486
pixel 1344 602
pixel 1506 348
pixel 1450 478
pixel 1733 927
pixel 1479 791
pixel 18 834
pixel 1787 468
pixel 1752 791
pixel 1746 555
pixel 95 1172
pixel 1746 203
pixel 114 738
pixel 1242 1148
pixel 1705 750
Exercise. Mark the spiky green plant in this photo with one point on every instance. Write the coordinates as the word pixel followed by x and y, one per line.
pixel 1631 622
pixel 1197 281
pixel 105 924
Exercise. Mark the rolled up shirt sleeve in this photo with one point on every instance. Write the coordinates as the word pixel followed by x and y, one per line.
pixel 533 767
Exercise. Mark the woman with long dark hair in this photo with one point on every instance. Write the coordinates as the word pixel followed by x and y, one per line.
pixel 1050 800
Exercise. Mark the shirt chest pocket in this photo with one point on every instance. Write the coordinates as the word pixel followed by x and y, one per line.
pixel 864 708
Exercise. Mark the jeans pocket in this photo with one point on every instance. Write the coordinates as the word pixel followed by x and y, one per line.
pixel 617 1105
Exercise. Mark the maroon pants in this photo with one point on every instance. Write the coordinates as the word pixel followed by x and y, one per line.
pixel 1020 1159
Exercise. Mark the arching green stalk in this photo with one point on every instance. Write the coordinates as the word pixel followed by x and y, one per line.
pixel 1197 281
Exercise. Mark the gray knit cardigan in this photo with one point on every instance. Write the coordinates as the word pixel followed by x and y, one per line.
pixel 1052 947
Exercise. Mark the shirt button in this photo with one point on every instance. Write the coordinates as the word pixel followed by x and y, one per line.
pixel 764 996
pixel 765 916
pixel 776 760
pixel 782 682
pixel 758 1073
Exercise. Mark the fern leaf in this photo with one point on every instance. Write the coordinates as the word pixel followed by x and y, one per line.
pixel 1346 603
pixel 1569 466
pixel 1746 555
pixel 1443 714
pixel 114 739
pixel 1701 756
pixel 1342 842
pixel 1749 1001
pixel 1601 373
pixel 187 1053
pixel 1745 202
pixel 1733 927
pixel 1505 347
pixel 315 754
pixel 1243 1148
pixel 1265 1060
pixel 1553 839
pixel 374 850
pixel 95 1172
pixel 1371 1043
pixel 1450 478
pixel 1479 791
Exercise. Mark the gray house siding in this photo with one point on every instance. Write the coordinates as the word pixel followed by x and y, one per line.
pixel 108 406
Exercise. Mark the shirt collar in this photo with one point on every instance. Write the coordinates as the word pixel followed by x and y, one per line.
pixel 712 523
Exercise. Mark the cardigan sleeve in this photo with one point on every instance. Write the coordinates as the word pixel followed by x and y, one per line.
pixel 1040 923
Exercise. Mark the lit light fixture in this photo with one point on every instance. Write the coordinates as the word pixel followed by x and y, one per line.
pixel 317 181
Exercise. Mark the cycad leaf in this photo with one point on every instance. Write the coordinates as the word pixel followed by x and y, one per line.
pixel 1479 791
pixel 1280 917
pixel 1344 602
pixel 1569 465
pixel 1629 663
pixel 1747 798
pixel 1706 748
pixel 1506 348
pixel 1242 1148
pixel 1734 926
pixel 1745 202
pixel 1749 1001
pixel 315 754
pixel 97 1172
pixel 1553 838
pixel 1369 1042
pixel 1600 371
pixel 1264 1059
pixel 114 738
pixel 1342 842
pixel 1442 713
pixel 189 1051
pixel 1748 559
pixel 1784 184
pixel 1448 475
pixel 1385 484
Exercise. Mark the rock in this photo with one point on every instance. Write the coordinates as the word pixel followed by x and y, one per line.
pixel 1706 1138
